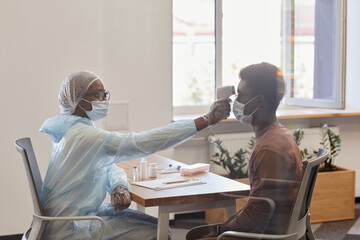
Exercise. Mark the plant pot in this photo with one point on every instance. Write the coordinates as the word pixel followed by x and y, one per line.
pixel 333 198
pixel 217 215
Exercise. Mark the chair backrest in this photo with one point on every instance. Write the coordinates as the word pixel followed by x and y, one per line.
pixel 304 194
pixel 24 147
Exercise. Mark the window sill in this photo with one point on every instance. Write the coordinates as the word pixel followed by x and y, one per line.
pixel 301 112
pixel 293 113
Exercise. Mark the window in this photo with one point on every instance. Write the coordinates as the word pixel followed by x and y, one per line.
pixel 304 37
pixel 193 53
pixel 314 52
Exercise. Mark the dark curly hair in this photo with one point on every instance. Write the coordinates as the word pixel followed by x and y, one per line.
pixel 265 79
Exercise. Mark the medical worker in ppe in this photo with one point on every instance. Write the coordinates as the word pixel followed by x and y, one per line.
pixel 82 170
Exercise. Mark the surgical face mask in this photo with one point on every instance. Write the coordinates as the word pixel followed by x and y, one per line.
pixel 99 109
pixel 238 110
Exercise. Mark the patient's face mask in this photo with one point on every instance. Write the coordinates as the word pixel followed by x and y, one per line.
pixel 238 110
pixel 99 109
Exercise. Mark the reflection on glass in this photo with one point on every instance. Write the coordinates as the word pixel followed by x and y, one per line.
pixel 251 34
pixel 193 52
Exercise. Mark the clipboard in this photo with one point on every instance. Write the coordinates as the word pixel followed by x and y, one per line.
pixel 168 183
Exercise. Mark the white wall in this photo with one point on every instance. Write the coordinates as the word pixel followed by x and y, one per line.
pixel 137 59
pixel 126 42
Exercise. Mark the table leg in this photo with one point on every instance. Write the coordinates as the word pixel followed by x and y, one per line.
pixel 229 211
pixel 163 225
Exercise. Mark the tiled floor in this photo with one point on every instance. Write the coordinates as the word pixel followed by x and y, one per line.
pixel 340 230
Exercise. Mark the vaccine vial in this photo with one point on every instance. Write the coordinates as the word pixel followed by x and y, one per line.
pixel 174 167
pixel 135 173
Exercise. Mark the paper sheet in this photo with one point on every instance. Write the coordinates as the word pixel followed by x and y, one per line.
pixel 167 183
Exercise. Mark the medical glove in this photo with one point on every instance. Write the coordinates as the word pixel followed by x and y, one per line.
pixel 218 111
pixel 120 198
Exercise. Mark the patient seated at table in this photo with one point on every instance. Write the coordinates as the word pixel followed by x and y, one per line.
pixel 275 162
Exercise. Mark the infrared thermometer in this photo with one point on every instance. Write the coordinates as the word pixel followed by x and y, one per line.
pixel 225 92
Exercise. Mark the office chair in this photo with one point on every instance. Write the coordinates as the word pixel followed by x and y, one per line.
pixel 299 224
pixel 24 147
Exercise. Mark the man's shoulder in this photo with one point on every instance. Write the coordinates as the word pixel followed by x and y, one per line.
pixel 276 138
pixel 278 133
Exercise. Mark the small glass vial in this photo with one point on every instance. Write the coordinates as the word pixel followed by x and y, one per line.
pixel 153 170
pixel 135 173
pixel 143 169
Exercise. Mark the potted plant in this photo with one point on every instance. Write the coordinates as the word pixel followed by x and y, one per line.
pixel 332 142
pixel 298 135
pixel 235 164
pixel 334 192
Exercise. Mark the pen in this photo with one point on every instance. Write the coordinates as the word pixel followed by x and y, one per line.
pixel 177 181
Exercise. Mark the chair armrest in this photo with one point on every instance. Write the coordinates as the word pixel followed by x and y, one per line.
pixel 77 218
pixel 257 235
pixel 269 201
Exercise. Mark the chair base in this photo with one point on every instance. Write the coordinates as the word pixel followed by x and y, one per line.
pixel 26 234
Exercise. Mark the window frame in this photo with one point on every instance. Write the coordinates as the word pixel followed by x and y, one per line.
pixel 340 61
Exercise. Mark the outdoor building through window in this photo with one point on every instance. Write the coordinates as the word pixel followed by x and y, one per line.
pixel 214 39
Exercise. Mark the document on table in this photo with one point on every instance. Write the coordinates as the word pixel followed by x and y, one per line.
pixel 167 183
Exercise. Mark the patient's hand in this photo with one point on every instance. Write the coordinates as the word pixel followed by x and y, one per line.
pixel 120 198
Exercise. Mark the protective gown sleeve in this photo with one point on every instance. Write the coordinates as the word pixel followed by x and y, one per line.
pixel 116 176
pixel 135 145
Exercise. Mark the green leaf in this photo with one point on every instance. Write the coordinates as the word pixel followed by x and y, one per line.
pixel 233 164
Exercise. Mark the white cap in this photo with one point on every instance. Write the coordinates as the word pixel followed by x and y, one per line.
pixel 73 89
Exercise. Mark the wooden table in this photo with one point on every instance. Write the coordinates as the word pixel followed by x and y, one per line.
pixel 213 194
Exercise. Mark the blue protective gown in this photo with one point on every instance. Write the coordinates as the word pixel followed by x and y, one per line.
pixel 82 170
